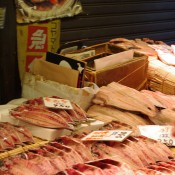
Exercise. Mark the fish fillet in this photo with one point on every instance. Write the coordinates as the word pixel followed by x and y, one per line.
pixel 115 114
pixel 122 97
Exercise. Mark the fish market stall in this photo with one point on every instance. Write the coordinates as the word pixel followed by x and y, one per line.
pixel 120 114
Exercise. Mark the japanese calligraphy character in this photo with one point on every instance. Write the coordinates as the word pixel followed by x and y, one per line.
pixel 38 39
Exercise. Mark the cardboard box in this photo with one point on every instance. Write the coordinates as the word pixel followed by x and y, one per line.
pixel 132 73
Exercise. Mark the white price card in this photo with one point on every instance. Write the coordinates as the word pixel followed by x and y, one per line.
pixel 57 103
pixel 162 133
pixel 109 135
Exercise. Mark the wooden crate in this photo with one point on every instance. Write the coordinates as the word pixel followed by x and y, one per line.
pixel 132 73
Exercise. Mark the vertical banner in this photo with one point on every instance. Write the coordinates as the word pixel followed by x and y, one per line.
pixel 34 40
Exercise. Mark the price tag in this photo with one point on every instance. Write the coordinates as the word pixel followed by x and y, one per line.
pixel 57 103
pixel 160 133
pixel 110 135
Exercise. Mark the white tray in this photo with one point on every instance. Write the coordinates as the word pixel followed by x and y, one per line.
pixel 47 133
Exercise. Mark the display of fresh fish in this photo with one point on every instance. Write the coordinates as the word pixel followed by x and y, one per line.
pixel 70 156
pixel 159 99
pixel 135 98
pixel 113 167
pixel 166 165
pixel 150 96
pixel 68 150
pixel 72 171
pixel 56 161
pixel 139 46
pixel 24 134
pixel 166 100
pixel 162 169
pixel 164 117
pixel 127 151
pixel 80 112
pixel 39 116
pixel 78 146
pixel 64 114
pixel 88 169
pixel 123 97
pixel 115 114
pixel 12 132
pixel 146 171
pixel 70 115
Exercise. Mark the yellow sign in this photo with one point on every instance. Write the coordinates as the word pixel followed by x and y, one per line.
pixel 34 40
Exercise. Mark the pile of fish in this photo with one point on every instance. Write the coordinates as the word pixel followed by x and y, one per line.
pixel 167 104
pixel 159 99
pixel 12 136
pixel 35 112
pixel 125 104
pixel 123 97
pixel 113 167
pixel 70 155
pixel 139 46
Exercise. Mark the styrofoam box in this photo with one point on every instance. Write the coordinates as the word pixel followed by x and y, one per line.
pixel 47 133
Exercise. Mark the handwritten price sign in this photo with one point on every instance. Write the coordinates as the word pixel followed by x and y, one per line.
pixel 160 133
pixel 111 135
pixel 57 103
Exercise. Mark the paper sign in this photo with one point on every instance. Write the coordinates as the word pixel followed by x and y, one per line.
pixel 113 59
pixel 110 135
pixel 57 103
pixel 160 133
pixel 82 55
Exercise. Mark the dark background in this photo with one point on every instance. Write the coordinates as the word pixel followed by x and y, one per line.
pixel 106 19
pixel 9 77
pixel 101 20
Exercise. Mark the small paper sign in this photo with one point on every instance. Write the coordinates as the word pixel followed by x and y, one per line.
pixel 160 133
pixel 57 103
pixel 110 135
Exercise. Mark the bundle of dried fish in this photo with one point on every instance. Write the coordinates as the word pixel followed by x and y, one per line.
pixel 160 99
pixel 164 117
pixel 12 135
pixel 123 97
pixel 138 45
pixel 33 111
pixel 108 114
